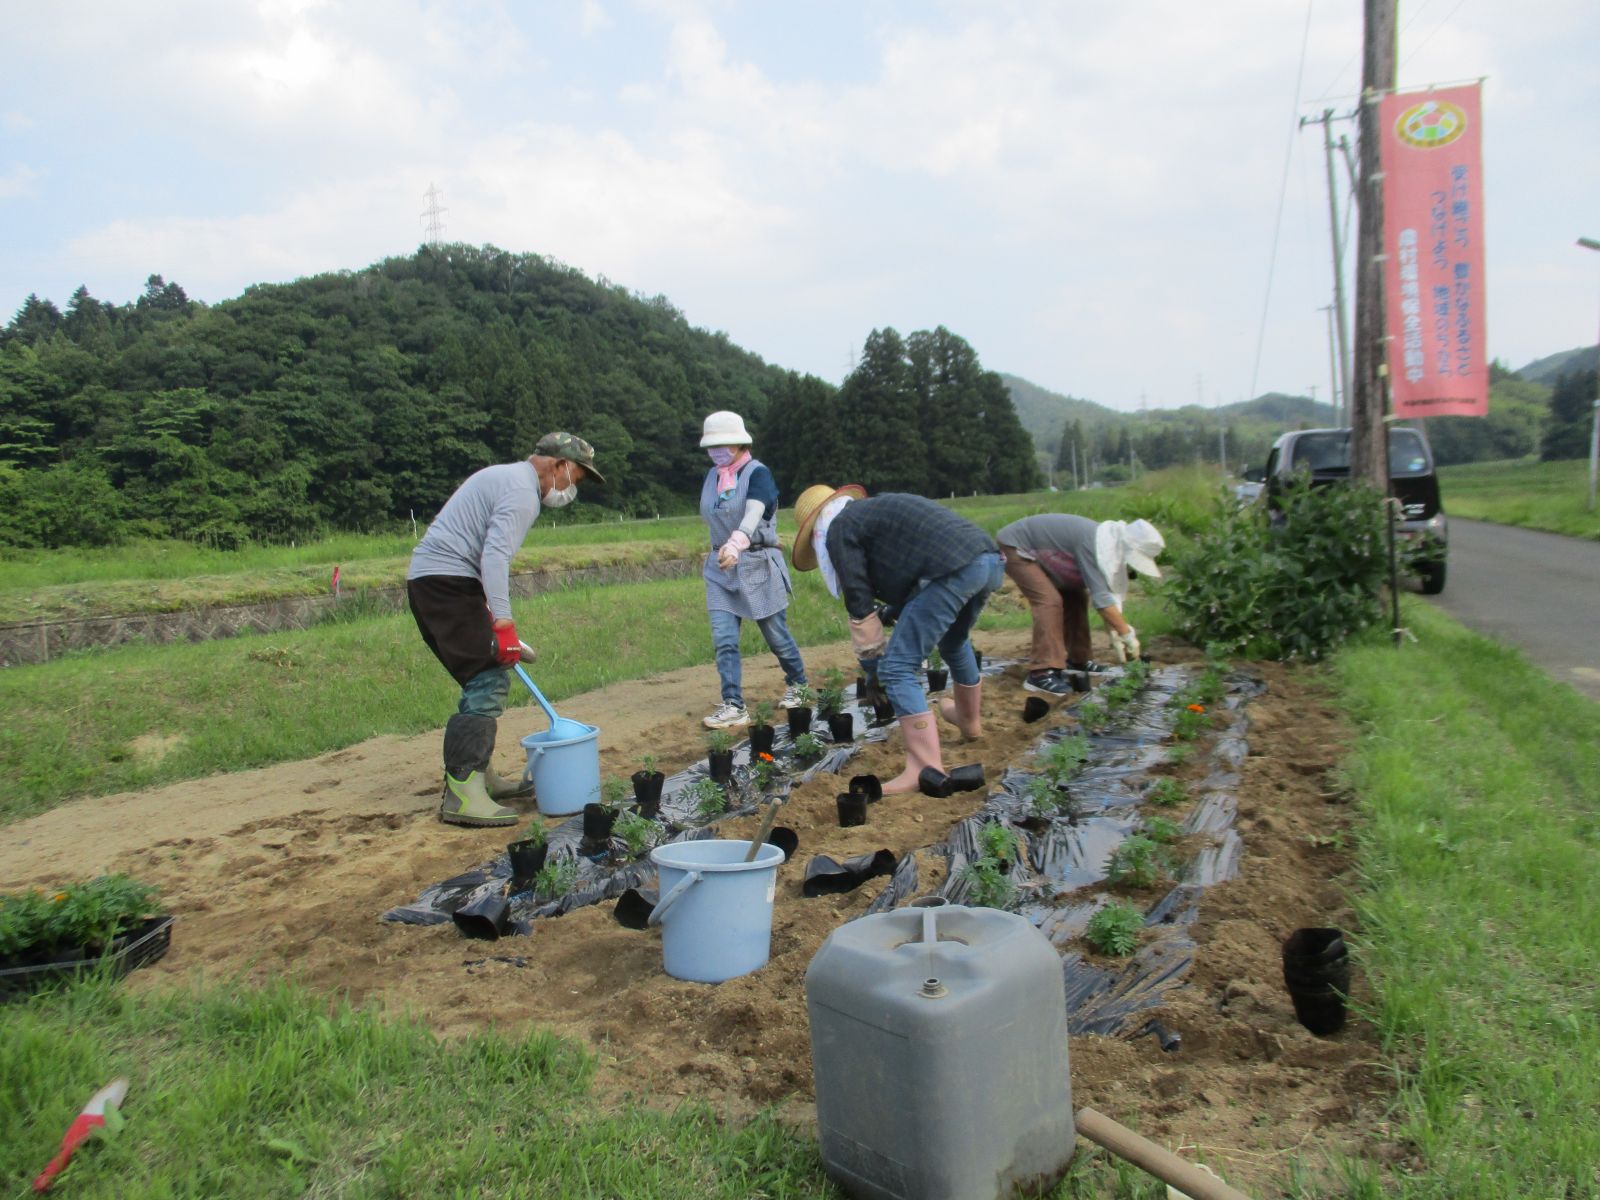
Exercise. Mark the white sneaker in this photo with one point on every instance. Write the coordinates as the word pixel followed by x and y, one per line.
pixel 727 716
pixel 791 697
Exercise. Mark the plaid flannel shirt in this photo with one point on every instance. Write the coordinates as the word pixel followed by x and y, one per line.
pixel 885 546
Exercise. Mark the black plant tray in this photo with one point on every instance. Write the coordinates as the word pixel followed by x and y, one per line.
pixel 145 943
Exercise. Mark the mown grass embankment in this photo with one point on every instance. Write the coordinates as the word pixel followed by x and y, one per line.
pixel 1552 496
pixel 158 577
pixel 1479 781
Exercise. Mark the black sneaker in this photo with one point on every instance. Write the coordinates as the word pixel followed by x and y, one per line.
pixel 1088 667
pixel 1047 683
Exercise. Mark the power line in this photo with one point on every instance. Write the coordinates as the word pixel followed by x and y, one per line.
pixel 1283 191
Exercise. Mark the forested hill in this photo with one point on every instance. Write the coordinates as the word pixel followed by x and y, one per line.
pixel 350 400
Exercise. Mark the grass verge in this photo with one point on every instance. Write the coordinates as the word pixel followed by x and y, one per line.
pixel 1536 495
pixel 1480 781
pixel 277 1092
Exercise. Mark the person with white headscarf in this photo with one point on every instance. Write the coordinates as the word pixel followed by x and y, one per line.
pixel 1062 564
pixel 935 570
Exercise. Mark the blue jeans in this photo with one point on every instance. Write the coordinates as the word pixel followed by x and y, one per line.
pixel 484 695
pixel 941 613
pixel 725 641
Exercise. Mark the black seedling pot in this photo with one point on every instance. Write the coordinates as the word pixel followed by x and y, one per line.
pixel 937 679
pixel 933 782
pixel 488 918
pixel 761 739
pixel 825 877
pixel 1034 707
pixel 634 907
pixel 869 786
pixel 784 839
pixel 526 859
pixel 883 713
pixel 597 823
pixel 841 727
pixel 799 721
pixel 647 791
pixel 1316 970
pixel 852 809
pixel 721 762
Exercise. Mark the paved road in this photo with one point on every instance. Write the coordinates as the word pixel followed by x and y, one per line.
pixel 1539 592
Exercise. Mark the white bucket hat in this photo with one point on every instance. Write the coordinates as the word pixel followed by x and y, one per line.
pixel 723 429
pixel 1119 545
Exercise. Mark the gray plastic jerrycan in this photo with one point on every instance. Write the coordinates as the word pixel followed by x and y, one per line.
pixel 939 1044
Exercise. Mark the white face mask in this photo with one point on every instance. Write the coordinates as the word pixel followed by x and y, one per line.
pixel 560 497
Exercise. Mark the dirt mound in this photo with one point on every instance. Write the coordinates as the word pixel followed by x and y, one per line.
pixel 285 870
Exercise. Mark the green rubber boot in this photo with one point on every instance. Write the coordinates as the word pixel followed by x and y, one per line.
pixel 468 745
pixel 466 802
pixel 501 788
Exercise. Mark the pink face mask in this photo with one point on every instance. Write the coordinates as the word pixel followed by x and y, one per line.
pixel 722 455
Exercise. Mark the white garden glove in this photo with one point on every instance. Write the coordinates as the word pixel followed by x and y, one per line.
pixel 1125 645
pixel 738 542
pixel 866 636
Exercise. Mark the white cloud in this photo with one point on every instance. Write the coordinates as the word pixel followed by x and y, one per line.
pixel 593 18
pixel 18 181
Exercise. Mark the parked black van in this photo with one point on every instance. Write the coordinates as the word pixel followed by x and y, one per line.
pixel 1325 455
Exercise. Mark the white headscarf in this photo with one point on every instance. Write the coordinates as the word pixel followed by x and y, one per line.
pixel 819 540
pixel 1121 544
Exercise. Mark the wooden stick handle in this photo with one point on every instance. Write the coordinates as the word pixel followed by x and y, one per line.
pixel 766 828
pixel 1147 1156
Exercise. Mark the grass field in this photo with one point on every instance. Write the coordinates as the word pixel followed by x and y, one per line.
pixel 173 576
pixel 1551 496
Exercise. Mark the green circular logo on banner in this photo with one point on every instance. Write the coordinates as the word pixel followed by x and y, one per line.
pixel 1431 124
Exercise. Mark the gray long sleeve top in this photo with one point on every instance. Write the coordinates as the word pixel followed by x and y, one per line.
pixel 1070 535
pixel 480 529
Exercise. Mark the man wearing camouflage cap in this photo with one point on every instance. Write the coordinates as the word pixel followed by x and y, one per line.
pixel 459 586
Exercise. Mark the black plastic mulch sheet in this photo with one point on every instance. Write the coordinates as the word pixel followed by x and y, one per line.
pixel 604 872
pixel 1067 854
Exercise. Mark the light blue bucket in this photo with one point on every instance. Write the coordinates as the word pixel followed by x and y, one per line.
pixel 716 909
pixel 564 767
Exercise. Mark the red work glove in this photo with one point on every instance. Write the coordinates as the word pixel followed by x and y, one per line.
pixel 507 649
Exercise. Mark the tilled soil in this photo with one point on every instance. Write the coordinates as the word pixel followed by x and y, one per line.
pixel 284 871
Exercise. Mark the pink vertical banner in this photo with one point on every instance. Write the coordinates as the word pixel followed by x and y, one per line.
pixel 1432 155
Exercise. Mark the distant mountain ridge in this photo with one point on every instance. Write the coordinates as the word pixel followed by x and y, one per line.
pixel 1551 367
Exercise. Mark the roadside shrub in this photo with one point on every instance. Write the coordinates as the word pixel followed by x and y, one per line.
pixel 1293 588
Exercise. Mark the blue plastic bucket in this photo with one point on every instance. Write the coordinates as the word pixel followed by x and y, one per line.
pixel 716 909
pixel 564 769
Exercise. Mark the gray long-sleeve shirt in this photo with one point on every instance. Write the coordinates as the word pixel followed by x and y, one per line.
pixel 479 530
pixel 1070 535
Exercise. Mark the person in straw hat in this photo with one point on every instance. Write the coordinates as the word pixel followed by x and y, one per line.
pixel 1062 564
pixel 459 589
pixel 745 575
pixel 935 570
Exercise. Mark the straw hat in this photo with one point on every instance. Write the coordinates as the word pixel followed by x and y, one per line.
pixel 806 511
pixel 1119 545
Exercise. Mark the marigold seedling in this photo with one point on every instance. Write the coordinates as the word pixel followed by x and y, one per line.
pixel 1167 792
pixel 1093 715
pixel 1115 929
pixel 613 791
pixel 986 886
pixel 804 695
pixel 555 879
pixel 761 712
pixel 807 746
pixel 709 799
pixel 1065 758
pixel 534 834
pixel 1047 798
pixel 635 831
pixel 830 696
pixel 719 741
pixel 1161 830
pixel 1138 862
pixel 998 842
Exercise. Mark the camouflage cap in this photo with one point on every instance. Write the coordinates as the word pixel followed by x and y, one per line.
pixel 570 447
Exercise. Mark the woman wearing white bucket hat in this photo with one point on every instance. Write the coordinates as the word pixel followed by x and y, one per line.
pixel 745 575
pixel 1062 564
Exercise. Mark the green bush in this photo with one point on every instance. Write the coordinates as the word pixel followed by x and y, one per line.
pixel 1295 588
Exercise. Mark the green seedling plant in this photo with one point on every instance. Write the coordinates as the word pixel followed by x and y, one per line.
pixel 635 831
pixel 805 695
pixel 764 770
pixel 555 879
pixel 709 799
pixel 1178 753
pixel 1167 792
pixel 1138 862
pixel 1093 715
pixel 719 741
pixel 1115 929
pixel 1190 722
pixel 1161 830
pixel 830 697
pixel 998 842
pixel 647 764
pixel 935 660
pixel 761 712
pixel 807 746
pixel 1047 798
pixel 613 791
pixel 1065 758
pixel 987 886
pixel 534 834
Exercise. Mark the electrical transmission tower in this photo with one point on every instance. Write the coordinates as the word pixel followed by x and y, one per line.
pixel 432 213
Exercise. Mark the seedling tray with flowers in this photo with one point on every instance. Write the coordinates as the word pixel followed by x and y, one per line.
pixel 110 924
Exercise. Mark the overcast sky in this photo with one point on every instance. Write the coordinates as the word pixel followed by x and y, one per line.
pixel 1085 191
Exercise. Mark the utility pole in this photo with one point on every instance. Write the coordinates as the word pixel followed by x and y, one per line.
pixel 432 213
pixel 1340 417
pixel 1369 441
pixel 1341 383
